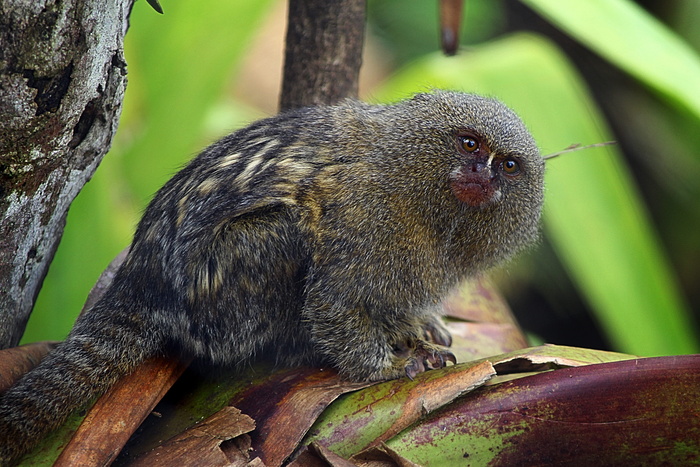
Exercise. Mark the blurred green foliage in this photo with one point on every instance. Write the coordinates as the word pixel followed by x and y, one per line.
pixel 620 222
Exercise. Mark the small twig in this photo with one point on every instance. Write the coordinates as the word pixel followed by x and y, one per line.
pixel 577 147
pixel 450 20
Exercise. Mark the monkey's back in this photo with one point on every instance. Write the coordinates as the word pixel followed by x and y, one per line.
pixel 223 250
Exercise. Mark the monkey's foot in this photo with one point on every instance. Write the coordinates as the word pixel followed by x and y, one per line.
pixel 426 356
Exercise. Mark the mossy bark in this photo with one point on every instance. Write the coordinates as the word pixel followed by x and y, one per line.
pixel 62 81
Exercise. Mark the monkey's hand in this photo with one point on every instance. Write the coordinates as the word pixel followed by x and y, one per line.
pixel 424 356
pixel 420 356
pixel 371 352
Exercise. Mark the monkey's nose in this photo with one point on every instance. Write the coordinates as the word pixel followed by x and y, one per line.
pixel 478 166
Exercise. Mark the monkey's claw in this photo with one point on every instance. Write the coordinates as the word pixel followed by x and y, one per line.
pixel 427 357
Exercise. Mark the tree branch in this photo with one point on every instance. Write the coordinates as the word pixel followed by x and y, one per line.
pixel 62 80
pixel 323 51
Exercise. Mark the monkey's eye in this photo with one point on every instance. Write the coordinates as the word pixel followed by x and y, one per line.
pixel 468 143
pixel 510 167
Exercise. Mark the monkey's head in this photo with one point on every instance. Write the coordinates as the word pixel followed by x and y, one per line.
pixel 477 172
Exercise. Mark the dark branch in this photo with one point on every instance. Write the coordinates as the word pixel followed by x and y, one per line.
pixel 323 52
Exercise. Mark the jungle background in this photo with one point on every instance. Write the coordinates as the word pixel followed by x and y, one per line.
pixel 619 260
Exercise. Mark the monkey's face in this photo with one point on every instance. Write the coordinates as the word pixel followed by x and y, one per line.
pixel 477 181
pixel 483 154
pixel 487 172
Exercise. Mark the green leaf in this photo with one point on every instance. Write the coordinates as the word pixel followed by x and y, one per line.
pixel 630 38
pixel 634 412
pixel 375 414
pixel 594 215
pixel 364 418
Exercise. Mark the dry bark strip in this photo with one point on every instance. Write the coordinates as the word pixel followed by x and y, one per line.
pixel 201 444
pixel 286 405
pixel 17 361
pixel 113 419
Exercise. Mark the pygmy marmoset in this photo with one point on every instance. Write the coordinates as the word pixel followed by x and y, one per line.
pixel 325 235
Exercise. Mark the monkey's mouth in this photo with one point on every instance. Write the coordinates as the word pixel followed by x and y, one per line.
pixel 475 194
pixel 475 190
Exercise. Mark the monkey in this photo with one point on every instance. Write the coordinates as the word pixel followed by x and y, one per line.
pixel 323 235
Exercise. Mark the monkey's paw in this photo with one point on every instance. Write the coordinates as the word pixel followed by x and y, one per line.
pixel 425 356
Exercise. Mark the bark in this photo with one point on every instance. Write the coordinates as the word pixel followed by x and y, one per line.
pixel 62 81
pixel 323 51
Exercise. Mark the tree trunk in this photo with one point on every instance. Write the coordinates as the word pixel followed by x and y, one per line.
pixel 323 51
pixel 62 81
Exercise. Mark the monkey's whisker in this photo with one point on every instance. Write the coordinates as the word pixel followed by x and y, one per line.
pixel 577 147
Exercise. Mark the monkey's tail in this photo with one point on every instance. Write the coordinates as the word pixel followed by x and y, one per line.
pixel 102 347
